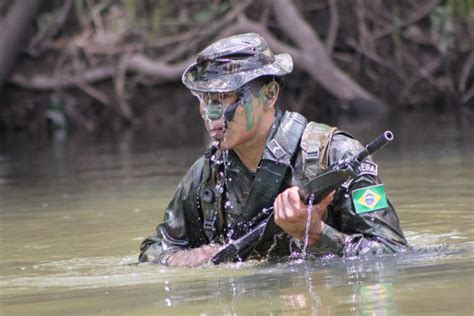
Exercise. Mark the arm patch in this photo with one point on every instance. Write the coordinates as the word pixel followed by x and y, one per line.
pixel 369 199
pixel 368 167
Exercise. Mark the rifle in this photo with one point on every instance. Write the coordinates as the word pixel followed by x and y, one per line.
pixel 263 227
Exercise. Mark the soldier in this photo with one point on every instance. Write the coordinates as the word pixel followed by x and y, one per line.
pixel 237 82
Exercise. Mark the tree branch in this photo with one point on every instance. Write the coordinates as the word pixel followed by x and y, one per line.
pixel 35 47
pixel 45 82
pixel 466 69
pixel 333 26
pixel 415 17
pixel 244 25
pixel 13 33
pixel 135 63
pixel 424 72
pixel 315 59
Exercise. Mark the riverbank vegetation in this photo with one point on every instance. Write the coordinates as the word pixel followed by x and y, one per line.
pixel 90 64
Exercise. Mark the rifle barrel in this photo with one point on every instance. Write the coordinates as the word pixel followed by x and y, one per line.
pixel 375 145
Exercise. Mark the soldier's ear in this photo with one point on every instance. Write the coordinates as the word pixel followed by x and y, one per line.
pixel 271 92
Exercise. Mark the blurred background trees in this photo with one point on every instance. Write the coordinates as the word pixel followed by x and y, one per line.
pixel 115 63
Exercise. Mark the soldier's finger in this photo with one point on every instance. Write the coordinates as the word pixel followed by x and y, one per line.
pixel 326 201
pixel 279 215
pixel 293 196
pixel 288 206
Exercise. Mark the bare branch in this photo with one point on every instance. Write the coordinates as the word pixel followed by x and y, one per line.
pixel 375 58
pixel 315 59
pixel 162 71
pixel 93 92
pixel 333 26
pixel 295 26
pixel 424 72
pixel 36 47
pixel 135 63
pixel 364 36
pixel 44 82
pixel 120 87
pixel 466 69
pixel 415 17
pixel 201 32
pixel 14 29
pixel 245 25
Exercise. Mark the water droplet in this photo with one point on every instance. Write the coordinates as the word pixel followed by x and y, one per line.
pixel 307 228
pixel 228 205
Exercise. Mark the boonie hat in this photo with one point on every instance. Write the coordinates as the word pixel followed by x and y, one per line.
pixel 230 63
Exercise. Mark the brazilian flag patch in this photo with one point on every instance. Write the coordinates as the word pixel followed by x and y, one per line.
pixel 369 199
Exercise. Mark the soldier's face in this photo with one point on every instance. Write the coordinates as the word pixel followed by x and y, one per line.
pixel 231 118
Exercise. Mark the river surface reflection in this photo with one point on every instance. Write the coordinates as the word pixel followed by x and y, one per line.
pixel 72 216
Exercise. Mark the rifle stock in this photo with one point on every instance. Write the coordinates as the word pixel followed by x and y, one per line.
pixel 323 184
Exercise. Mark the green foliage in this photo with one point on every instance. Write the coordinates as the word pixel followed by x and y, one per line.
pixel 206 15
pixel 442 27
pixel 158 17
pixel 79 8
pixel 462 8
pixel 44 20
pixel 99 7
pixel 130 7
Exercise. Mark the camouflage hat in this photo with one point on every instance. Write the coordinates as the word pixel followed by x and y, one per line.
pixel 231 62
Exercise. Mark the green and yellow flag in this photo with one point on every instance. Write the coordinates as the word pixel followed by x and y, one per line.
pixel 369 199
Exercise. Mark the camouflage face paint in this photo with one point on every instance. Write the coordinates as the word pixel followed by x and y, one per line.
pixel 214 109
pixel 260 98
pixel 248 105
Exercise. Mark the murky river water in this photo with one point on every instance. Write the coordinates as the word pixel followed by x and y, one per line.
pixel 72 216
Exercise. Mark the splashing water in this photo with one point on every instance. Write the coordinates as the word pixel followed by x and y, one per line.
pixel 307 228
pixel 223 181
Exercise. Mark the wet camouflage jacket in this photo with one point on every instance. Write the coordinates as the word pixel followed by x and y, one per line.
pixel 346 233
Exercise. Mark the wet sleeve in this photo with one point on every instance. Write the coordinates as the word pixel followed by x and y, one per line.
pixel 347 233
pixel 181 227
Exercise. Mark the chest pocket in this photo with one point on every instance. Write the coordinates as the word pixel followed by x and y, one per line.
pixel 315 148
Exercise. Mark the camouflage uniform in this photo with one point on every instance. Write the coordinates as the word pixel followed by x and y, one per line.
pixel 221 68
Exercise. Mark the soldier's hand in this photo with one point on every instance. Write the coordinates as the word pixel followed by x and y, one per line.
pixel 291 214
pixel 193 257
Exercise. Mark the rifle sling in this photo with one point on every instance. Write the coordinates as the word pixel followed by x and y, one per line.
pixel 274 172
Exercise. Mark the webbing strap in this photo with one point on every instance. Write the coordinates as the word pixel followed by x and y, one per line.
pixel 274 170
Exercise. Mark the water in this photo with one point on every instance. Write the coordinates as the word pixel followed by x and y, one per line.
pixel 307 227
pixel 72 216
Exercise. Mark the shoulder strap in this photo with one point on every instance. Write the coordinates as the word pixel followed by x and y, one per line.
pixel 274 170
pixel 315 148
pixel 207 198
